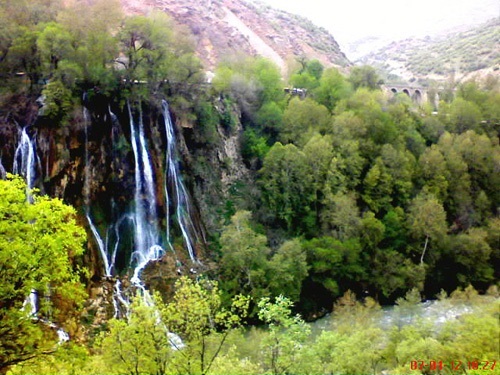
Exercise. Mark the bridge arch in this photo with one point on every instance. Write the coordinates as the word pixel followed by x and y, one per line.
pixel 417 96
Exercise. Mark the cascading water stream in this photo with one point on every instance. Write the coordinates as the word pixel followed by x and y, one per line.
pixel 25 161
pixel 3 172
pixel 146 238
pixel 101 244
pixel 104 245
pixel 25 165
pixel 172 176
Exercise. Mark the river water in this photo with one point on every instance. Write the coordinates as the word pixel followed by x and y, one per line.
pixel 436 312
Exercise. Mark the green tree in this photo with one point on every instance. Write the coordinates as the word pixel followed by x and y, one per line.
pixel 426 220
pixel 396 232
pixel 270 118
pixel 364 76
pixel 284 342
pixel 399 164
pixel 336 265
pixel 319 154
pixel 472 251
pixel 156 51
pixel 37 244
pixel 468 338
pixel 197 315
pixel 393 274
pixel 287 187
pixel 24 55
pixel 371 231
pixel 93 27
pixel 55 44
pixel 434 172
pixel 340 216
pixel 58 101
pixel 268 77
pixel 378 187
pixel 309 75
pixel 464 116
pixel 332 88
pixel 243 263
pixel 302 119
pixel 354 343
pixel 287 270
pixel 139 343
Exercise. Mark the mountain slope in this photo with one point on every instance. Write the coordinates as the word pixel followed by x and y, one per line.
pixel 474 51
pixel 224 27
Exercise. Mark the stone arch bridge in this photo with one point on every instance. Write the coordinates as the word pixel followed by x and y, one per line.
pixel 417 94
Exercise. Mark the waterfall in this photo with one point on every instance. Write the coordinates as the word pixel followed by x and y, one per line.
pixel 25 166
pixel 3 172
pixel 147 241
pixel 180 196
pixel 101 245
pixel 25 161
pixel 146 238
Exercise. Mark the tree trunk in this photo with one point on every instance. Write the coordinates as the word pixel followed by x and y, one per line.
pixel 425 248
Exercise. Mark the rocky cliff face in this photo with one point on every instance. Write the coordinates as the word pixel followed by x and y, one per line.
pixel 223 28
pixel 90 164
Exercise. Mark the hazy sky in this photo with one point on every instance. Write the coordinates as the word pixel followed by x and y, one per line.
pixel 349 20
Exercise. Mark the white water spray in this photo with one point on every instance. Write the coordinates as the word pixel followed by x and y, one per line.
pixel 25 161
pixel 180 196
pixel 145 218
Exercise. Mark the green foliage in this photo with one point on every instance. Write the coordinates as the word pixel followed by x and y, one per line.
pixel 137 344
pixel 244 258
pixel 248 267
pixel 286 185
pixel 37 244
pixel 340 216
pixel 207 120
pixel 466 51
pixel 426 220
pixel 472 252
pixel 384 194
pixel 254 145
pixel 141 343
pixel 283 344
pixel 332 88
pixel 364 76
pixel 302 119
pixel 197 315
pixel 250 82
pixel 464 116
pixel 287 269
pixel 309 75
pixel 335 264
pixel 58 102
pixel 270 117
pixel 69 359
pixel 54 44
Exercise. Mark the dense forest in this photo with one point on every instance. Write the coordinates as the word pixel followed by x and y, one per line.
pixel 349 198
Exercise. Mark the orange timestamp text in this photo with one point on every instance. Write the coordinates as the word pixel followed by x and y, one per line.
pixel 452 365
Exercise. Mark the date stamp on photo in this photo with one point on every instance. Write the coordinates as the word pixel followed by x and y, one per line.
pixel 452 365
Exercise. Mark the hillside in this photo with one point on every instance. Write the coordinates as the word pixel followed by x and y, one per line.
pixel 223 28
pixel 462 53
